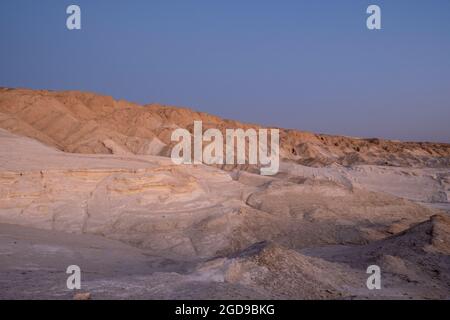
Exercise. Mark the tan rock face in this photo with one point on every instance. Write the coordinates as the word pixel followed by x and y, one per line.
pixel 196 231
pixel 190 211
pixel 150 202
pixel 88 123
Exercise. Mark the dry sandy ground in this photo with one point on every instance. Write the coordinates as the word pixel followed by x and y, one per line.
pixel 85 180
pixel 142 228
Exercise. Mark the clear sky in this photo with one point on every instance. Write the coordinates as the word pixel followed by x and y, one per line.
pixel 311 65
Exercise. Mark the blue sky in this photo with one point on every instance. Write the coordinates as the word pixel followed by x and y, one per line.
pixel 310 65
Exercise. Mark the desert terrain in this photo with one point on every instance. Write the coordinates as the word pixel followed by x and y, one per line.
pixel 87 180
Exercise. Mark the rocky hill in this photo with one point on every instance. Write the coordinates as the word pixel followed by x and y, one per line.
pixel 86 179
pixel 79 122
